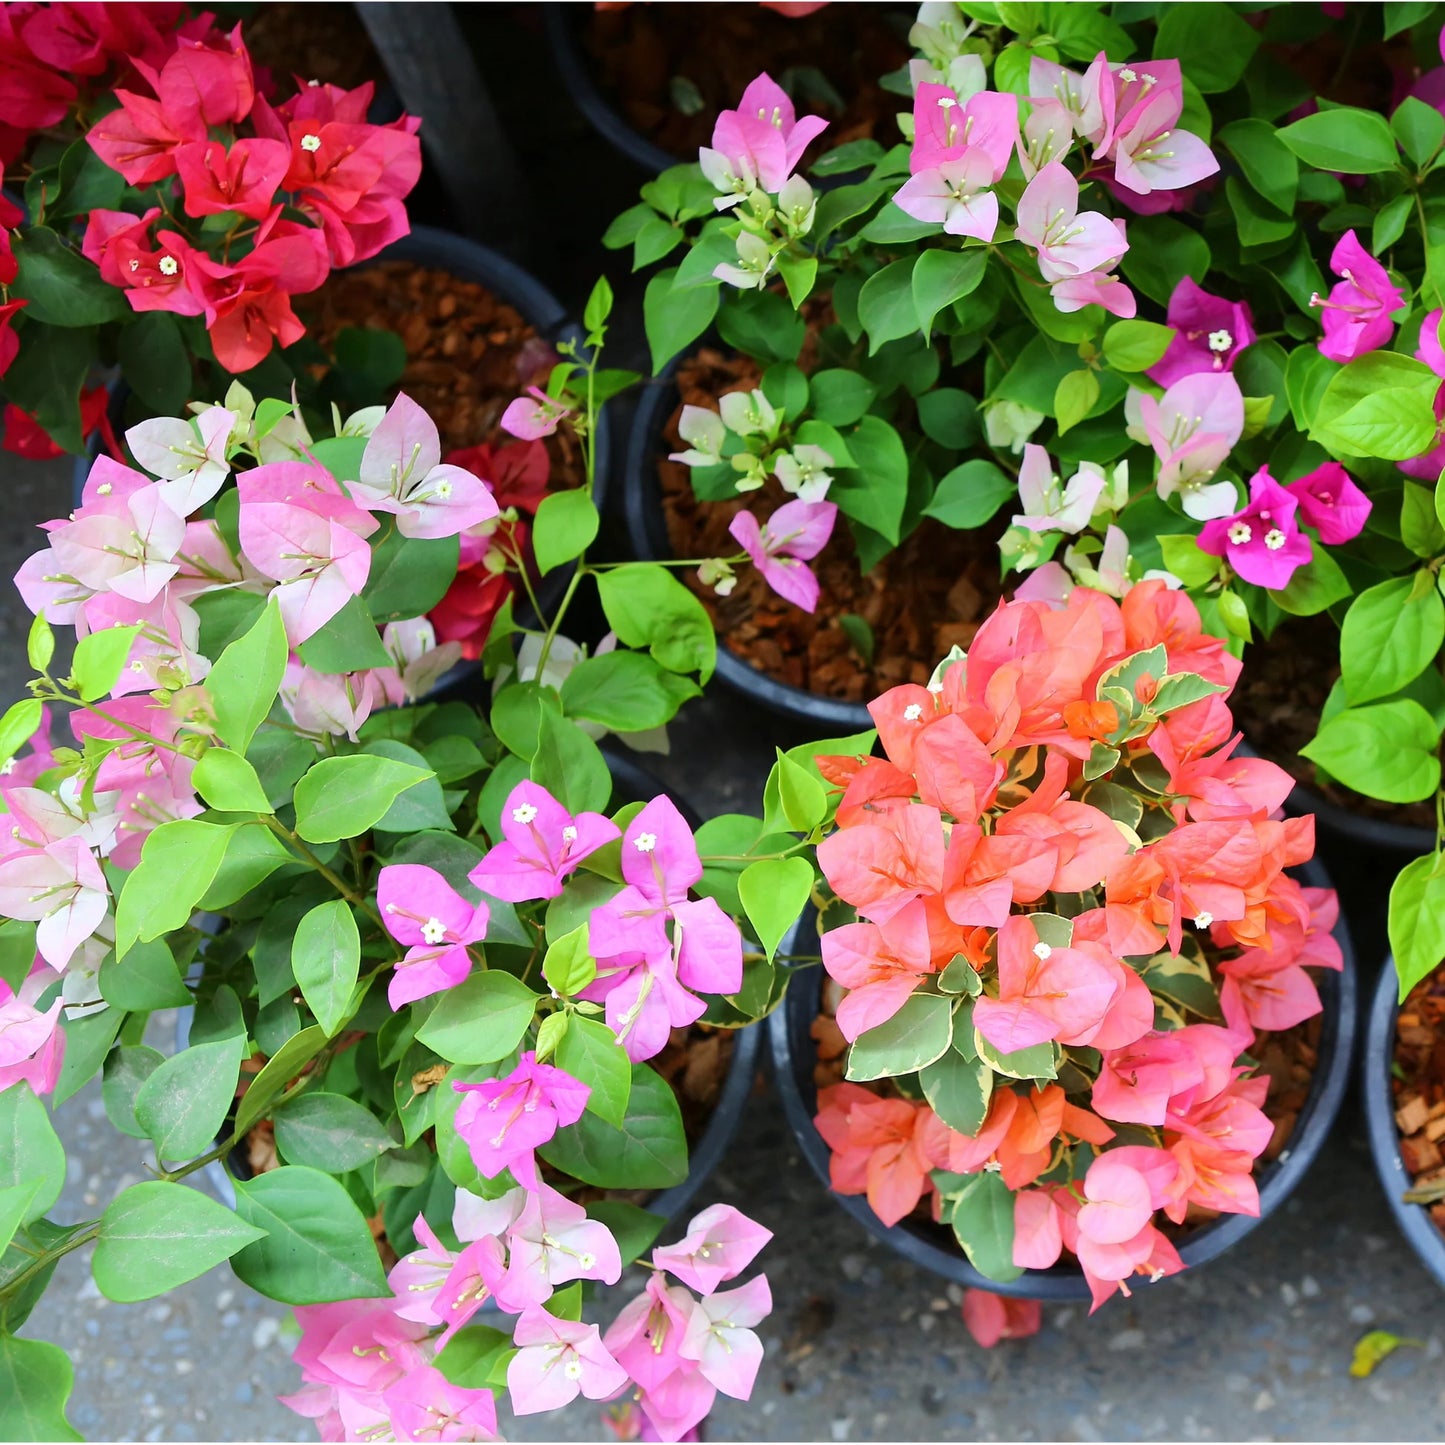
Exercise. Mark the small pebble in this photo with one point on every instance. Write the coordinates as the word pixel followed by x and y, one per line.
pixel 265 1331
pixel 1309 1287
pixel 1128 1340
pixel 1264 1401
pixel 1289 1294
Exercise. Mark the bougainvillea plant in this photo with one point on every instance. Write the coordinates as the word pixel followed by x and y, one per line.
pixel 429 949
pixel 1063 917
pixel 1150 284
pixel 174 203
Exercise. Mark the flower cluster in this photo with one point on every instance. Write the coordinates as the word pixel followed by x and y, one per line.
pixel 369 1365
pixel 1063 866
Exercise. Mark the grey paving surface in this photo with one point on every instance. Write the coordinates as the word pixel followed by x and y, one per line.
pixel 862 1347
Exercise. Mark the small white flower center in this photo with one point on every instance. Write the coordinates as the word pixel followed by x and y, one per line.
pixel 169 265
pixel 1274 539
pixel 311 142
pixel 569 834
pixel 645 842
pixel 134 265
pixel 433 930
pixel 1240 533
pixel 105 489
pixel 913 711
pixel 1204 920
pixel 443 490
pixel 524 812
pixel 1042 951
pixel 573 1368
pixel 1220 340
pixel 587 1260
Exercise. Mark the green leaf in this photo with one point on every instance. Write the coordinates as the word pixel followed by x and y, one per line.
pixel 349 642
pixel 648 1150
pixel 648 607
pixel 40 643
pixel 570 766
pixel 940 278
pixel 958 1091
pixel 1382 405
pixel 481 1020
pixel 970 494
pixel 280 1069
pixel 60 285
pixel 599 305
pixel 1390 635
pixel 1402 14
pixel 47 376
pixel 87 1041
pixel 1386 750
pixel 798 273
pixel 840 397
pixel 36 1379
pixel 983 1219
pixel 1162 251
pixel 1390 222
pixel 802 801
pixel 326 959
pixel 949 417
pixel 316 1248
pixel 18 726
pixel 144 980
pixel 1134 346
pixel 343 797
pixel 624 691
pixel 31 1154
pixel 1312 588
pixel 565 526
pixel 1417 920
pixel 126 1070
pixel 589 1051
pixel 1075 398
pixel 177 863
pixel 155 362
pixel 1419 128
pixel 874 491
pixel 17 951
pixel 774 893
pixel 252 856
pixel 567 965
pixel 158 1235
pixel 1268 164
pixel 409 576
pixel 1039 1061
pixel 885 304
pixel 183 1104
pixel 673 318
pixel 98 660
pixel 1420 526
pixel 914 1037
pixel 1183 558
pixel 246 677
pixel 228 783
pixel 421 807
pixel 1355 142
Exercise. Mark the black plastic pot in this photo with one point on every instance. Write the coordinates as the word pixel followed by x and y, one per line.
pixel 647 531
pixel 576 76
pixel 933 1248
pixel 1379 1055
pixel 631 783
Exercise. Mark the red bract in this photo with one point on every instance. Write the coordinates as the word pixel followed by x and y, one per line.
pixel 242 179
pixel 9 342
pixel 140 138
pixel 32 95
pixel 1060 858
pixel 25 437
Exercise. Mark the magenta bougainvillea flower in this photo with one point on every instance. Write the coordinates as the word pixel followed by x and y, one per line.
pixel 763 140
pixel 779 547
pixel 543 844
pixel 1331 503
pixel 1356 314
pixel 1210 332
pixel 424 912
pixel 504 1120
pixel 1262 542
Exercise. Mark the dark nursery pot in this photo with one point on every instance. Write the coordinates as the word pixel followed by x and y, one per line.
pixel 647 531
pixel 1370 834
pixel 632 783
pixel 932 1247
pixel 1379 1056
pixel 577 79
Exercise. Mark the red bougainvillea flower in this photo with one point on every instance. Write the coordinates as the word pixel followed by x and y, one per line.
pixel 991 1317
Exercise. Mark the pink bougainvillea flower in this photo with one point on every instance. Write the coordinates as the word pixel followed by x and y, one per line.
pixel 646 1339
pixel 140 137
pixel 32 1043
pixel 1268 995
pixel 720 1243
pixel 954 194
pixel 425 1406
pixel 402 472
pixel 1122 1189
pixel 551 1242
pixel 505 1120
pixel 720 1338
pixel 534 419
pixel 416 1278
pixel 877 1148
pixel 1151 153
pixel 1262 542
pixel 300 529
pixel 1046 136
pixel 660 864
pixel 946 128
pixel 1356 314
pixel 61 888
pixel 243 178
pixel 543 844
pixel 1080 97
pixel 1331 503
pixel 1049 505
pixel 780 547
pixel 1193 427
pixel 879 965
pixel 424 912
pixel 1068 243
pixel 358 1346
pixel 764 137
pixel 991 1317
pixel 557 1360
pixel 189 456
pixel 882 866
pixel 1209 334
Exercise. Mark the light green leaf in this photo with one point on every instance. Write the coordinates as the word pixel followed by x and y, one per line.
pixel 36 1379
pixel 184 1103
pixel 177 863
pixel 326 959
pixel 589 1051
pixel 565 526
pixel 481 1020
pixel 246 677
pixel 774 893
pixel 1391 633
pixel 648 1150
pixel 1386 750
pixel 31 1154
pixel 1417 920
pixel 98 659
pixel 343 797
pixel 228 783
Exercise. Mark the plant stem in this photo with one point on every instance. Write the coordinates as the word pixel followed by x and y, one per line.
pixel 356 900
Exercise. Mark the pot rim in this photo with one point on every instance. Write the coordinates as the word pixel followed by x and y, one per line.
pixel 646 530
pixel 1277 1180
pixel 1377 1056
